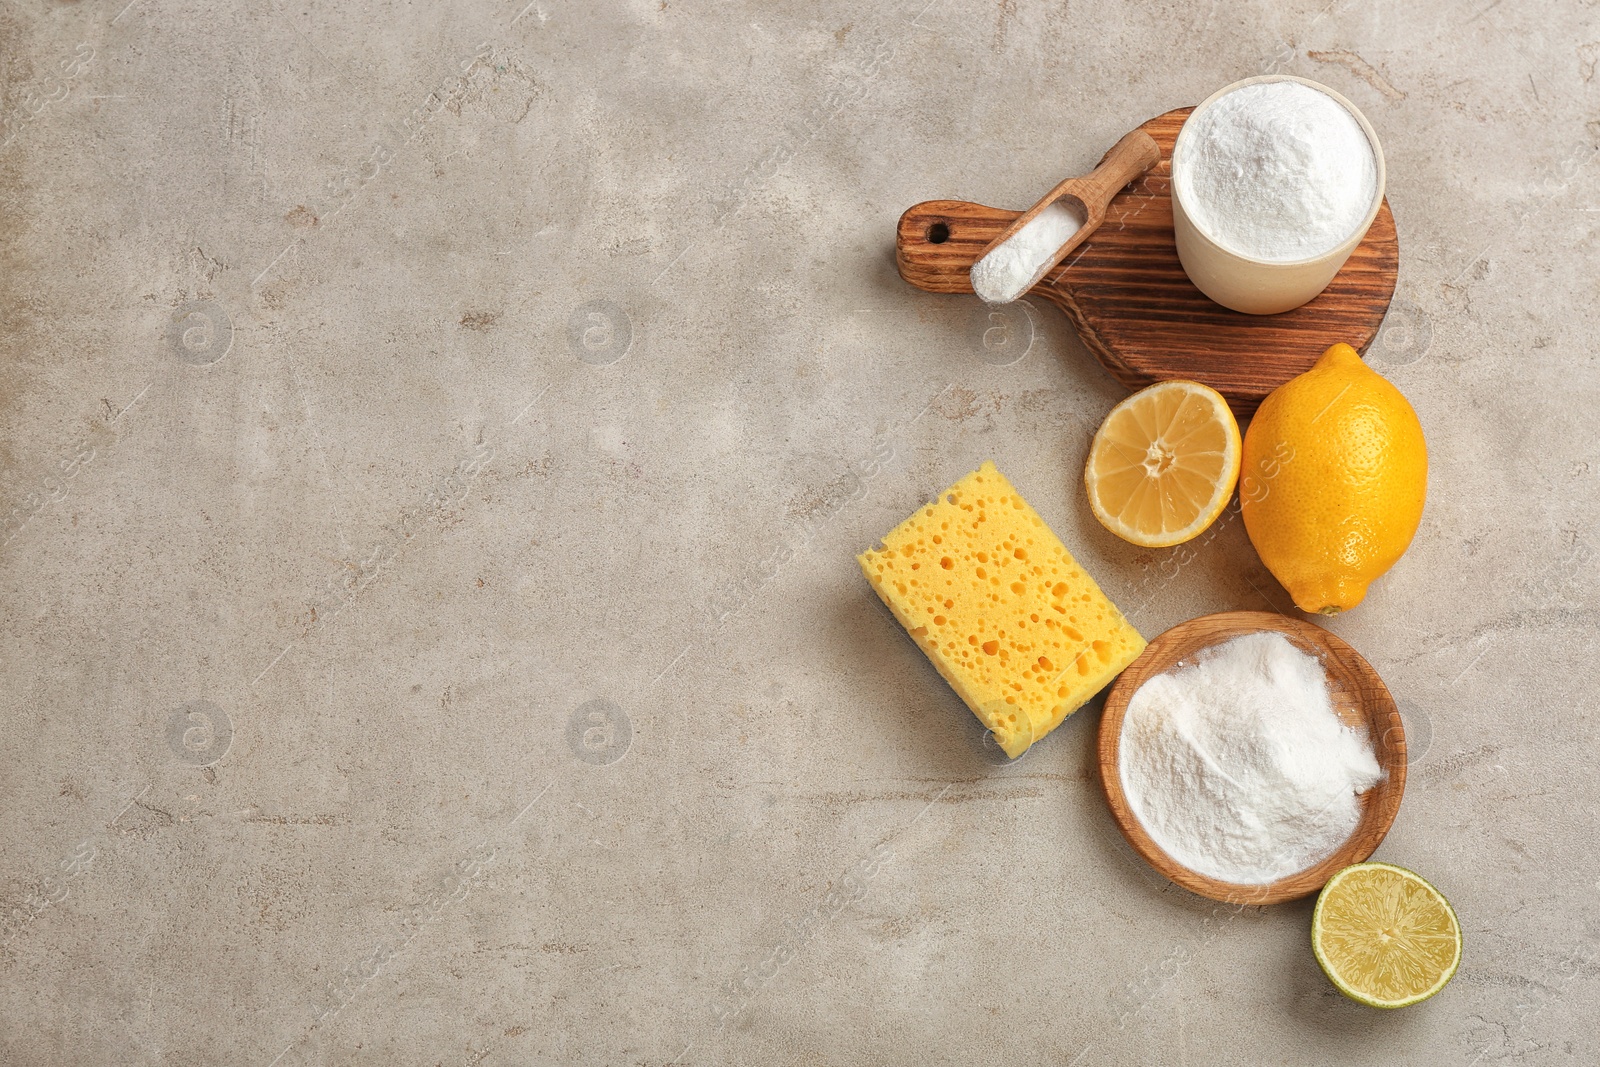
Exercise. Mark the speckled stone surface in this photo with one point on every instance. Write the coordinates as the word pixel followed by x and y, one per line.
pixel 434 440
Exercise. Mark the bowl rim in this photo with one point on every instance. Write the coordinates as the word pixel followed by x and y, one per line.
pixel 1379 804
pixel 1379 189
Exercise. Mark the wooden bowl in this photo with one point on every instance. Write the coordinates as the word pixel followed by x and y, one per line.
pixel 1359 698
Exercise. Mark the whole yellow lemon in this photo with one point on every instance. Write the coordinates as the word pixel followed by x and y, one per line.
pixel 1332 481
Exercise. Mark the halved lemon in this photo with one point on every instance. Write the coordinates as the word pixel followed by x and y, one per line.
pixel 1164 463
pixel 1384 936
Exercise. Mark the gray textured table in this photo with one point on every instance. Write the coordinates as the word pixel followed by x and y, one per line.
pixel 435 439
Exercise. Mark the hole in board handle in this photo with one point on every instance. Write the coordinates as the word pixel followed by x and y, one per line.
pixel 938 233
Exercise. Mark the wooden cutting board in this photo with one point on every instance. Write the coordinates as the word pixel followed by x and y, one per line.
pixel 1127 295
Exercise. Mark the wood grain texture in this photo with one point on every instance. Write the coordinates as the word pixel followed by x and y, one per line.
pixel 1134 307
pixel 1359 697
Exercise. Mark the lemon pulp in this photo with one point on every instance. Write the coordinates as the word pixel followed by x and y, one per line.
pixel 1163 464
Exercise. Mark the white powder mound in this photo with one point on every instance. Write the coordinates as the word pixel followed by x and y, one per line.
pixel 1238 767
pixel 1276 171
pixel 1003 275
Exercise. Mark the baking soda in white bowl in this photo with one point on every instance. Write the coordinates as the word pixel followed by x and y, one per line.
pixel 1277 171
pixel 1275 181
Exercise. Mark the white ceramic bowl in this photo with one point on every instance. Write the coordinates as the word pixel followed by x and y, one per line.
pixel 1258 286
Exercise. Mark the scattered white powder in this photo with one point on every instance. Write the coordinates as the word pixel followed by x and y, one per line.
pixel 1004 274
pixel 1238 766
pixel 1276 171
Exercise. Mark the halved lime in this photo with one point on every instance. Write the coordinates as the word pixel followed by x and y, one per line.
pixel 1384 936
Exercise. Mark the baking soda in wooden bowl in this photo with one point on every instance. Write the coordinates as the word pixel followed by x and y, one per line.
pixel 1237 765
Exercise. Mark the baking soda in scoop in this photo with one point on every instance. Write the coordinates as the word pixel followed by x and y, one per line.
pixel 1064 216
pixel 1008 270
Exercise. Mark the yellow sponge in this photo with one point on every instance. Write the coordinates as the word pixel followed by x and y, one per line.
pixel 999 605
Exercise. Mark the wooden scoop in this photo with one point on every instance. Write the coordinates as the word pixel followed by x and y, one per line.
pixel 1128 159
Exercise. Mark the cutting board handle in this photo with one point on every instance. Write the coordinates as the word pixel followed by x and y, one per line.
pixel 938 241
